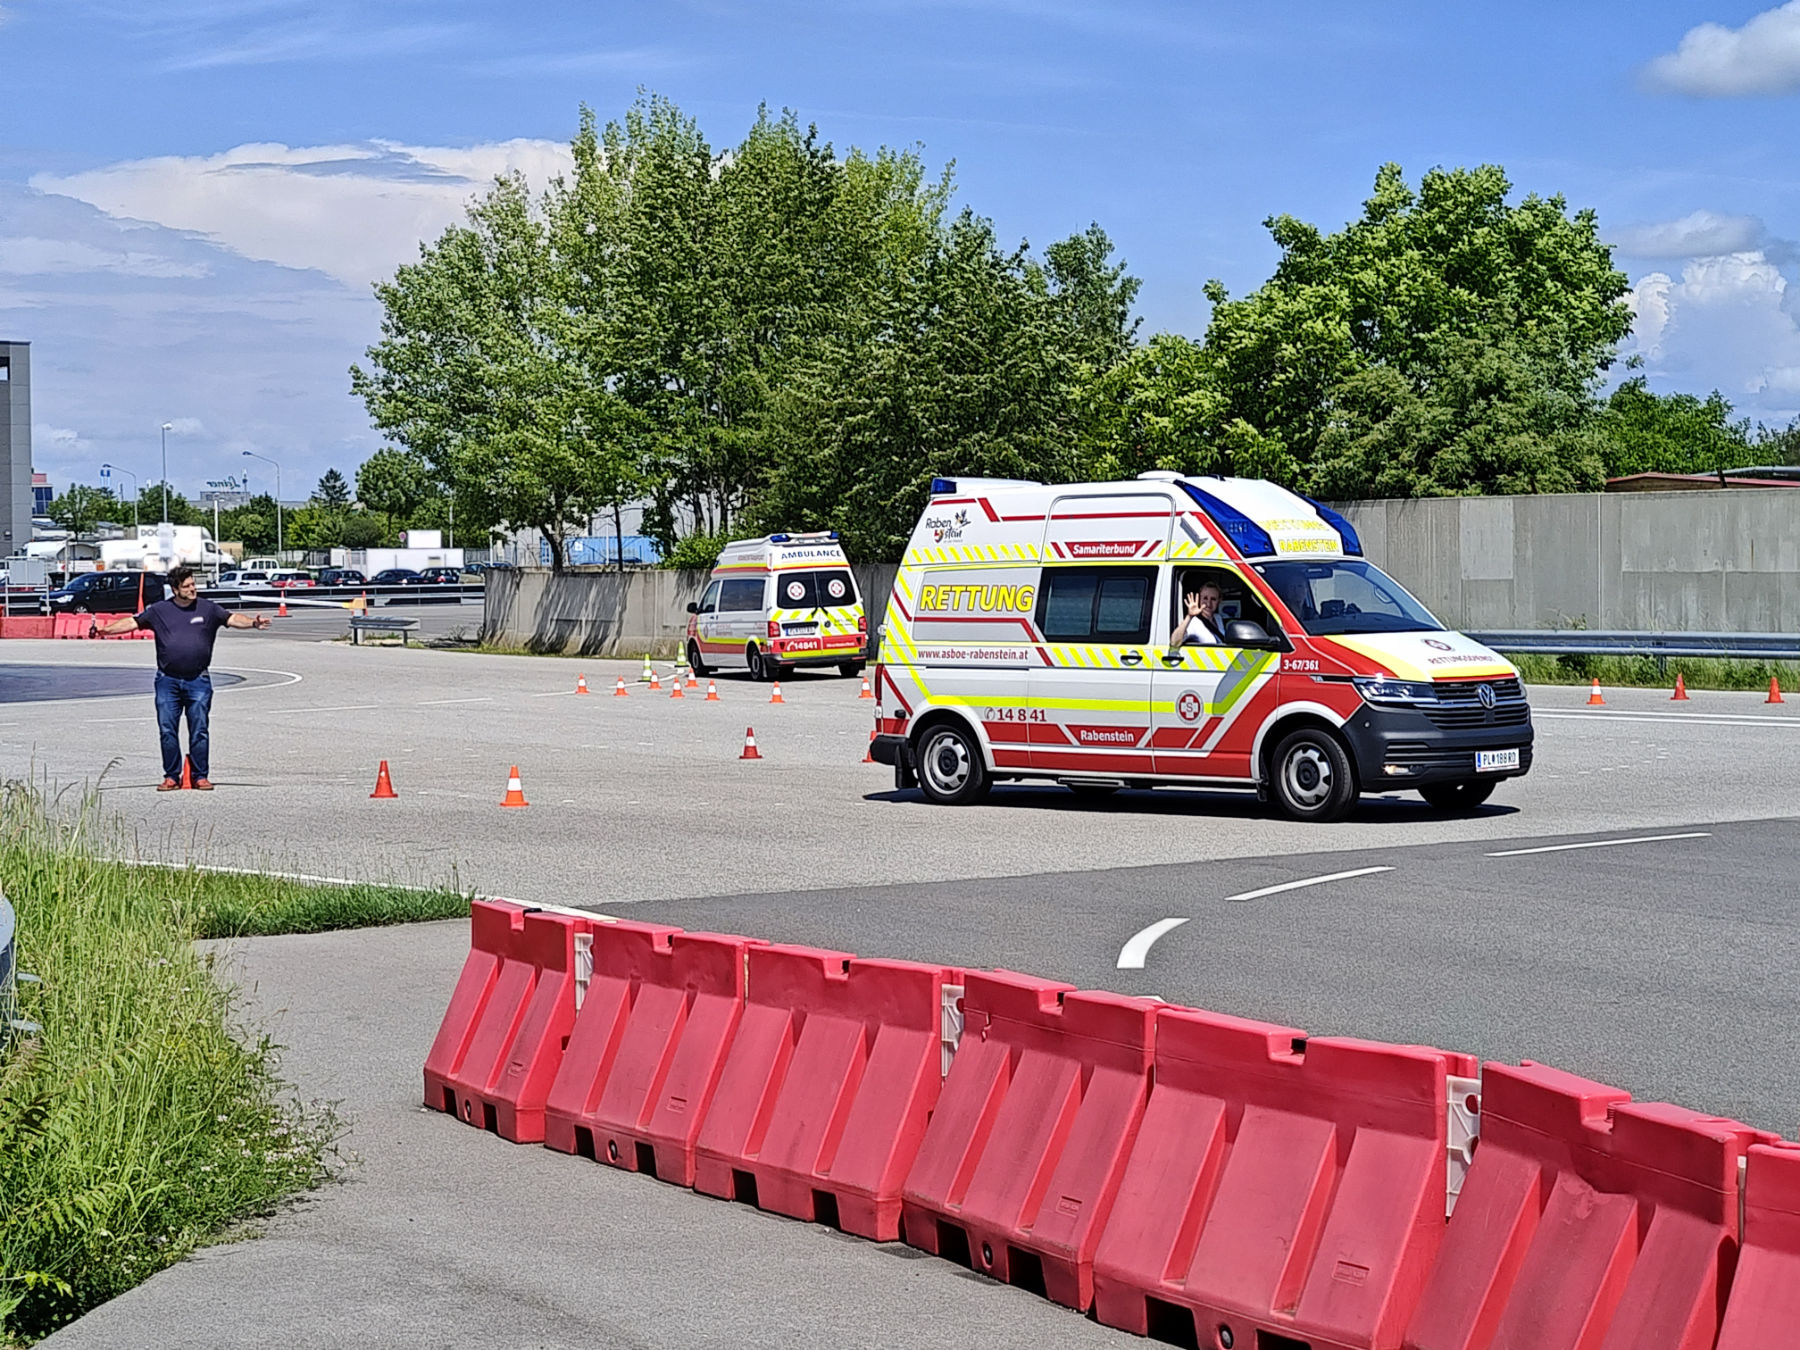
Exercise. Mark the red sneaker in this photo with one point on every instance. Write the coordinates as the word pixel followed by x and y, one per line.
pixel 168 785
pixel 202 785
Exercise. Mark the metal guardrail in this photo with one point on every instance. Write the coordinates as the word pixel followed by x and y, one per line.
pixel 1596 642
pixel 23 603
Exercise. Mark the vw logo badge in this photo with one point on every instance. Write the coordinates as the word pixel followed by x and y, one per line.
pixel 1438 646
pixel 1485 692
pixel 1188 706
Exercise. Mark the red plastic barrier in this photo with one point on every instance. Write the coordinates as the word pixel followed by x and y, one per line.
pixel 648 1046
pixel 1024 1155
pixel 826 1089
pixel 72 625
pixel 1279 1187
pixel 28 626
pixel 1587 1222
pixel 509 1019
pixel 1764 1309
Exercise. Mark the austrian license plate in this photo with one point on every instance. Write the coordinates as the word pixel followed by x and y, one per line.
pixel 799 629
pixel 1493 761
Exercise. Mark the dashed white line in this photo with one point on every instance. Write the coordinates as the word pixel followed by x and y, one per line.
pixel 336 707
pixel 1132 954
pixel 439 702
pixel 1696 719
pixel 1602 843
pixel 1306 881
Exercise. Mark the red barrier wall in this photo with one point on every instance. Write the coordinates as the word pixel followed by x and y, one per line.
pixel 1024 1155
pixel 1278 1185
pixel 28 626
pixel 648 1047
pixel 826 1089
pixel 509 1019
pixel 1764 1309
pixel 1587 1222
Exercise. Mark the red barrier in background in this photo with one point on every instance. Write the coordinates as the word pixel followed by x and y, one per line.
pixel 72 625
pixel 648 1046
pixel 1764 1308
pixel 28 626
pixel 826 1089
pixel 1587 1222
pixel 509 1019
pixel 1278 1187
pixel 1024 1154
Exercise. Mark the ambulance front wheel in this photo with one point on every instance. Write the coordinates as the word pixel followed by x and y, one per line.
pixel 695 664
pixel 950 767
pixel 1311 777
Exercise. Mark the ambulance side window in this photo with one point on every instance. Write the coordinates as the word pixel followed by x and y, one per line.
pixel 1096 604
pixel 741 595
pixel 709 603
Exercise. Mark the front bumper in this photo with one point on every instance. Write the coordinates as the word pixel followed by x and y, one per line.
pixel 1402 748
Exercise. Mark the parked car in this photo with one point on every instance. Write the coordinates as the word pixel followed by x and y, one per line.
pixel 284 580
pixel 342 576
pixel 396 576
pixel 107 593
pixel 243 580
pixel 442 576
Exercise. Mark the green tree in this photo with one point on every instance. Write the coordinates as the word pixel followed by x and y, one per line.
pixel 252 524
pixel 82 508
pixel 332 490
pixel 1673 433
pixel 181 511
pixel 361 530
pixel 1445 342
pixel 395 483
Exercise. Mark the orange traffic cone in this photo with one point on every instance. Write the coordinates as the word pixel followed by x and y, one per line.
pixel 692 683
pixel 775 694
pixel 655 681
pixel 1774 691
pixel 581 684
pixel 619 689
pixel 869 754
pixel 1680 694
pixel 866 691
pixel 675 690
pixel 281 609
pixel 750 750
pixel 1594 698
pixel 712 691
pixel 187 771
pixel 515 790
pixel 384 786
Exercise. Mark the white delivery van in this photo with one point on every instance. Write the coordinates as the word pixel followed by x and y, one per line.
pixel 778 602
pixel 1202 631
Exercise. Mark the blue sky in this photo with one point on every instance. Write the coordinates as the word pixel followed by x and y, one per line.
pixel 194 197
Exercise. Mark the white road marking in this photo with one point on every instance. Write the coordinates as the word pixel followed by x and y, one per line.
pixel 1132 954
pixel 142 718
pixel 335 707
pixel 292 677
pixel 439 702
pixel 1306 881
pixel 1698 719
pixel 1602 843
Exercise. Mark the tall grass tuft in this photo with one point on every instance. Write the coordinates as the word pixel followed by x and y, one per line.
pixel 140 1122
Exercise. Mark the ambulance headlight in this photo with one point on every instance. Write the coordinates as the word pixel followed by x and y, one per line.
pixel 1380 689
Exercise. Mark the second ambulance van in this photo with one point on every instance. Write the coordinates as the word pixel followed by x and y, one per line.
pixel 1169 630
pixel 778 602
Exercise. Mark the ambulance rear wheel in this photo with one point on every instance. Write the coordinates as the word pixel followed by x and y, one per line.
pixel 759 668
pixel 1464 795
pixel 950 767
pixel 850 669
pixel 1310 776
pixel 695 664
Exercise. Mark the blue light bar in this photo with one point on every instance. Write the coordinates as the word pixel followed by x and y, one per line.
pixel 942 487
pixel 778 539
pixel 1346 531
pixel 1249 538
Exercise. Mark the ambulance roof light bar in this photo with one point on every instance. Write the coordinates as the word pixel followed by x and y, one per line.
pixel 944 487
pixel 1249 538
pixel 1346 531
pixel 815 537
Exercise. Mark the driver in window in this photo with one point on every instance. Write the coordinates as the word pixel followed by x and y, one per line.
pixel 1201 623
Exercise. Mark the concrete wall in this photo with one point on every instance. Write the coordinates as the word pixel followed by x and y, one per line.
pixel 599 613
pixel 15 447
pixel 1726 561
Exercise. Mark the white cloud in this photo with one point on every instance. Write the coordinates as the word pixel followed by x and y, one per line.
pixel 29 256
pixel 354 212
pixel 1699 234
pixel 1713 61
pixel 1727 322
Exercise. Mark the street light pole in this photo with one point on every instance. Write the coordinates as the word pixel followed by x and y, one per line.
pixel 114 468
pixel 266 460
pixel 167 427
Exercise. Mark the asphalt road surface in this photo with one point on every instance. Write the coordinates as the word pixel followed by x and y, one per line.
pixel 1626 912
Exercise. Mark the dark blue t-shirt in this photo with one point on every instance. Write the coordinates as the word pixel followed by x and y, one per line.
pixel 184 635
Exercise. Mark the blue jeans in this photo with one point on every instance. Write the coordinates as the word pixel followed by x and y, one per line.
pixel 172 697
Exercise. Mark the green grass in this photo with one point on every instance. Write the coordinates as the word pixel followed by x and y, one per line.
pixel 1699 672
pixel 143 1120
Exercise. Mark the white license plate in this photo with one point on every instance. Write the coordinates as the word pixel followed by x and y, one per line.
pixel 1492 761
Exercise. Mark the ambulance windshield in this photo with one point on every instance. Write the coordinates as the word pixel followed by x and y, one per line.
pixel 1352 596
pixel 815 590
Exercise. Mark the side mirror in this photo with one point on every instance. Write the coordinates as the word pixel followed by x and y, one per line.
pixel 1249 633
pixel 693 607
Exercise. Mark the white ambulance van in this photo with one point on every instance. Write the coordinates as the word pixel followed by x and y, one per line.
pixel 779 602
pixel 1207 631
